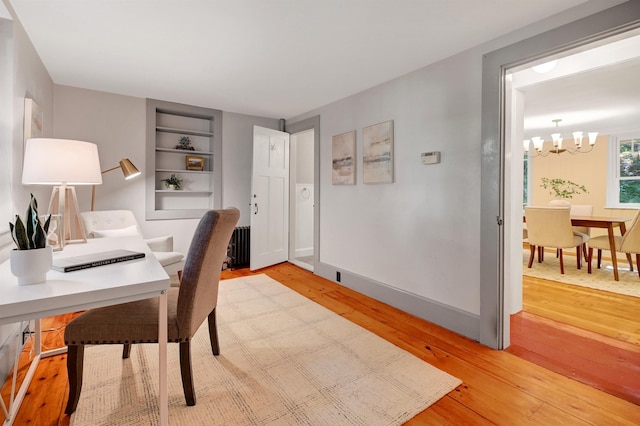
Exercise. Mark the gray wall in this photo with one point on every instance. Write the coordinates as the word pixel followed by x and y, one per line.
pixel 237 159
pixel 116 124
pixel 416 243
pixel 26 77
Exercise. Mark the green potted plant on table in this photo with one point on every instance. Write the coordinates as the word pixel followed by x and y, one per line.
pixel 172 182
pixel 562 188
pixel 32 258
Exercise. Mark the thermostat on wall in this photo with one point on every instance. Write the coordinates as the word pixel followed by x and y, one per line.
pixel 430 157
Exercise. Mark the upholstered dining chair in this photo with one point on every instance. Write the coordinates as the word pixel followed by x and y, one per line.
pixel 551 227
pixel 137 322
pixel 577 210
pixel 627 243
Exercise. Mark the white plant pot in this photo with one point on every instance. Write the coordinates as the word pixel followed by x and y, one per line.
pixel 31 266
pixel 171 187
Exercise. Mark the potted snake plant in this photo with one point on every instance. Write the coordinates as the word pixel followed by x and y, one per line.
pixel 32 258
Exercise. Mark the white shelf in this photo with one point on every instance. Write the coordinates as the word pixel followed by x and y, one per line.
pixel 183 151
pixel 184 191
pixel 183 131
pixel 184 171
pixel 164 120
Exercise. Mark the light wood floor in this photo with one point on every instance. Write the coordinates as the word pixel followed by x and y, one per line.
pixel 590 335
pixel 498 387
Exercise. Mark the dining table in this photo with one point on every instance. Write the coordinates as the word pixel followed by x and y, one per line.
pixel 603 222
pixel 608 223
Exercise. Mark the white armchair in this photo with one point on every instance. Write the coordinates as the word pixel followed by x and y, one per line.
pixel 121 223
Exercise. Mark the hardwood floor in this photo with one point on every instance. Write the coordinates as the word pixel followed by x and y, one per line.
pixel 590 335
pixel 498 387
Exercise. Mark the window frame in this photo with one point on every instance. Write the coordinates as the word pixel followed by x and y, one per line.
pixel 613 170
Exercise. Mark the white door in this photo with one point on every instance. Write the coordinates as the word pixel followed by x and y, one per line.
pixel 269 198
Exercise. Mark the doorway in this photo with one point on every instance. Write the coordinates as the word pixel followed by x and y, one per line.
pixel 594 88
pixel 301 199
pixel 591 88
pixel 497 217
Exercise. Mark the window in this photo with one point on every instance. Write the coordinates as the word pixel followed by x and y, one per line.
pixel 623 183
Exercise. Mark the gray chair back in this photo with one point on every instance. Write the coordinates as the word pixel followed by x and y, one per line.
pixel 198 294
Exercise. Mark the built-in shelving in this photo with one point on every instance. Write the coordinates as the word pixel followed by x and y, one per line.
pixel 166 124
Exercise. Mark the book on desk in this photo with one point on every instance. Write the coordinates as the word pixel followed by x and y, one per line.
pixel 93 260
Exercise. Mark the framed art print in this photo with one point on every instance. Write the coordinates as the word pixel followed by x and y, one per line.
pixel 377 153
pixel 33 127
pixel 343 155
pixel 194 162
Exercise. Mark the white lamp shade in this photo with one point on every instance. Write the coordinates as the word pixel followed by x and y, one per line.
pixel 61 161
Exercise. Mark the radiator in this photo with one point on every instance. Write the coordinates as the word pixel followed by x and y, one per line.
pixel 238 252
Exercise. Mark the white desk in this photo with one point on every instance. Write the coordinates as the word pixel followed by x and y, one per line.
pixel 88 288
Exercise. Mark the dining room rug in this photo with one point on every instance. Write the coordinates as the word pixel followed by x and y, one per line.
pixel 599 279
pixel 284 360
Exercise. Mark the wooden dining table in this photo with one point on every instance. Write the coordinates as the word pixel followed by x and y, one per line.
pixel 608 223
pixel 604 222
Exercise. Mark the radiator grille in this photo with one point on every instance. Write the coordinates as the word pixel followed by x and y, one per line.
pixel 238 252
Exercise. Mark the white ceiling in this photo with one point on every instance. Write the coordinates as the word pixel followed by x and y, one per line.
pixel 273 58
pixel 596 89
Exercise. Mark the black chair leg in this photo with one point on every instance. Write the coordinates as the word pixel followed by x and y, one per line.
pixel 126 350
pixel 213 332
pixel 75 361
pixel 185 371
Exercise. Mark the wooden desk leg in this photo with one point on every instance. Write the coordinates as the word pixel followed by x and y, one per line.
pixel 612 247
pixel 163 394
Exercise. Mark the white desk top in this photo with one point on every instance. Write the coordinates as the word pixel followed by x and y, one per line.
pixel 87 288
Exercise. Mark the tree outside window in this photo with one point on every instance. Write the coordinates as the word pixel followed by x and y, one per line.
pixel 623 173
pixel 629 171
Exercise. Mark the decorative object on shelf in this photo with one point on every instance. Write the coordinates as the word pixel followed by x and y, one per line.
pixel 194 162
pixel 32 258
pixel 343 155
pixel 63 162
pixel 538 143
pixel 172 182
pixel 128 170
pixel 184 143
pixel 561 188
pixel 377 153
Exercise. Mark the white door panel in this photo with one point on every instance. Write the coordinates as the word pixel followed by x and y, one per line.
pixel 270 198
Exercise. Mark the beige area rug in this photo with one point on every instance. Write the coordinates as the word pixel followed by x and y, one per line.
pixel 284 360
pixel 599 279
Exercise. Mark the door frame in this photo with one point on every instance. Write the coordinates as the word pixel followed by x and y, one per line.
pixel 301 126
pixel 293 196
pixel 494 315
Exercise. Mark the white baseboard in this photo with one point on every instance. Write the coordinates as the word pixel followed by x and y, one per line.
pixel 304 252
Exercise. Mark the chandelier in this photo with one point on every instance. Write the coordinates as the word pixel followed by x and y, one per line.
pixel 558 148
